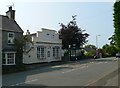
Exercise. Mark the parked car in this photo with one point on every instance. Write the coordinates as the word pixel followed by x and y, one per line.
pixel 117 55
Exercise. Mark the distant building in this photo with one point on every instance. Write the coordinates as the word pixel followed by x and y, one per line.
pixel 45 47
pixel 10 31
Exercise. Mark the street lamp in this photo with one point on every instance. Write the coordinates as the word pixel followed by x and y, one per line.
pixel 97 41
pixel 97 52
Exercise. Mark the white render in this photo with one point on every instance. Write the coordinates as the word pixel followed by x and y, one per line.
pixel 46 38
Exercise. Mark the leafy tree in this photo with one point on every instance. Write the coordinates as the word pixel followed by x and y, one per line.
pixel 91 47
pixel 112 40
pixel 72 35
pixel 20 45
pixel 90 50
pixel 116 20
pixel 109 50
pixel 90 53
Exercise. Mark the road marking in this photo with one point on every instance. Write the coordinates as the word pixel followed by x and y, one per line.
pixel 98 62
pixel 68 71
pixel 59 66
pixel 31 81
pixel 91 83
pixel 106 62
pixel 24 82
pixel 84 66
pixel 55 66
pixel 92 62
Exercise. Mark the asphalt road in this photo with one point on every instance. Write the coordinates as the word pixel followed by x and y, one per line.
pixel 101 72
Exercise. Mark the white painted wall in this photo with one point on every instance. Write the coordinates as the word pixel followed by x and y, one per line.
pixel 43 39
pixel 47 36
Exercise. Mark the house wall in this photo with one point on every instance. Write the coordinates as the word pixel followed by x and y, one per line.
pixel 10 25
pixel 5 39
pixel 47 36
pixel 48 39
pixel 11 47
pixel 18 60
pixel 31 57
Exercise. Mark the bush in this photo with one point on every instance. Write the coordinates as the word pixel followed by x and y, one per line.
pixel 90 54
pixel 66 53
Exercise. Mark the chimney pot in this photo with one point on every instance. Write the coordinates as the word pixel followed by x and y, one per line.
pixel 11 13
pixel 10 8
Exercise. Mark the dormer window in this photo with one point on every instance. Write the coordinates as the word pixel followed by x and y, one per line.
pixel 11 37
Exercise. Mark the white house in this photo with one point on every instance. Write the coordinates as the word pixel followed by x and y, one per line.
pixel 46 47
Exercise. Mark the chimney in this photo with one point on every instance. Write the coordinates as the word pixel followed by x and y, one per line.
pixel 11 13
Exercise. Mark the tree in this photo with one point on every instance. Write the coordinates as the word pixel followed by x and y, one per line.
pixel 112 40
pixel 116 20
pixel 90 50
pixel 72 35
pixel 91 47
pixel 109 50
pixel 20 45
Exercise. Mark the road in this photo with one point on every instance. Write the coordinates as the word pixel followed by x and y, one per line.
pixel 101 72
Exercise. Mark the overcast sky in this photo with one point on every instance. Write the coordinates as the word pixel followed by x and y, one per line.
pixel 94 17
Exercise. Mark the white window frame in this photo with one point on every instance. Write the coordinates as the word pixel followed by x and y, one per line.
pixel 41 54
pixel 11 39
pixel 56 51
pixel 6 58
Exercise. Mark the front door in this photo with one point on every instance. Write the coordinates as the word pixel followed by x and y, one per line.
pixel 48 56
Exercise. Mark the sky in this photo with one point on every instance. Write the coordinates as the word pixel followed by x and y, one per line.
pixel 94 16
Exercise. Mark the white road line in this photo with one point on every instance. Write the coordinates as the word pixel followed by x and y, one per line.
pixel 59 66
pixel 74 69
pixel 106 62
pixel 83 64
pixel 24 82
pixel 31 81
pixel 83 67
pixel 92 62
pixel 91 83
pixel 68 71
pixel 55 66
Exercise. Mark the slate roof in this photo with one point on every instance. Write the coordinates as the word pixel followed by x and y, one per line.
pixel 10 25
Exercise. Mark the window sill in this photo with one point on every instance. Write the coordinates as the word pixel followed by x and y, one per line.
pixel 8 64
pixel 41 58
pixel 11 43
